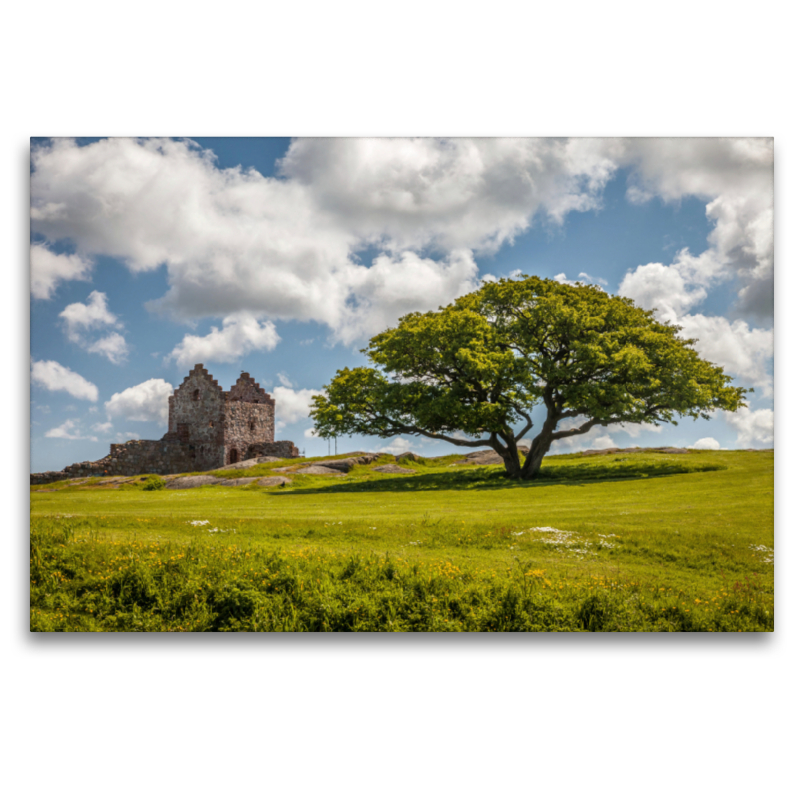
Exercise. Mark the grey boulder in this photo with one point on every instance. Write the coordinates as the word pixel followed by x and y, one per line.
pixel 274 480
pixel 192 482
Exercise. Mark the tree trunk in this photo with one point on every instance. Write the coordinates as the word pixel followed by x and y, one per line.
pixel 511 461
pixel 533 463
pixel 539 447
pixel 509 453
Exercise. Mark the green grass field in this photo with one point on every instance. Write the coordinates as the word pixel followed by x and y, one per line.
pixel 621 542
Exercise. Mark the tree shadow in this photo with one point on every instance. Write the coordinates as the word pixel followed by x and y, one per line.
pixel 487 479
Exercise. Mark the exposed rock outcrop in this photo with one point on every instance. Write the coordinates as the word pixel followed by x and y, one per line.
pixel 316 469
pixel 488 457
pixel 394 469
pixel 610 450
pixel 342 465
pixel 192 482
pixel 408 456
pixel 274 480
pixel 250 462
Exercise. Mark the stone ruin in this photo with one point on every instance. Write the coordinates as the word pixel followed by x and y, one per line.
pixel 208 428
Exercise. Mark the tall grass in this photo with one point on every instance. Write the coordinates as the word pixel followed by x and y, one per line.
pixel 679 551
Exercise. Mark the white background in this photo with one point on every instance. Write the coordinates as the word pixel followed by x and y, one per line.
pixel 653 716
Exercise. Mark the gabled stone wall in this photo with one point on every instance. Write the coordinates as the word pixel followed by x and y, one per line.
pixel 249 418
pixel 197 418
pixel 208 428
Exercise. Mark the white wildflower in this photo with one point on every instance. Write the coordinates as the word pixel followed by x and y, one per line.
pixel 768 553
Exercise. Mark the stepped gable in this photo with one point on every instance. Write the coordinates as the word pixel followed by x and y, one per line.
pixel 197 385
pixel 197 418
pixel 247 390
pixel 249 419
pixel 208 428
pixel 200 373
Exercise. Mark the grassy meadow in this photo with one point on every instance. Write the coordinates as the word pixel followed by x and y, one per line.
pixel 619 542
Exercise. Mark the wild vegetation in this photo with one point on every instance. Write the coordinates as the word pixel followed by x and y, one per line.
pixel 620 542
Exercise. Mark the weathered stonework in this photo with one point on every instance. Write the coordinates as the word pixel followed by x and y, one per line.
pixel 208 428
pixel 196 419
pixel 249 419
pixel 283 449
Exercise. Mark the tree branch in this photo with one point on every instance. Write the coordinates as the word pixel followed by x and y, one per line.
pixel 398 428
pixel 586 427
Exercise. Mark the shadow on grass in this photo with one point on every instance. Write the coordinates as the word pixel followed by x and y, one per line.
pixel 486 478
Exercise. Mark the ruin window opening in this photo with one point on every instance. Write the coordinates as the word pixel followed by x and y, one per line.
pixel 252 425
pixel 196 394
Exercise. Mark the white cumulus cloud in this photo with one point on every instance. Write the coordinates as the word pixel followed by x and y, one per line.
pixel 48 269
pixel 81 319
pixel 665 289
pixel 145 402
pixel 742 351
pixel 735 176
pixel 69 430
pixel 240 334
pixel 231 240
pixel 396 285
pixel 58 378
pixel 752 427
pixel 708 443
pixel 113 347
pixel 292 405
pixel 448 193
pixel 234 241
pixel 397 446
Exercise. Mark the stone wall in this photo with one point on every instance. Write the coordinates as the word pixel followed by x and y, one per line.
pixel 208 428
pixel 249 418
pixel 163 457
pixel 38 478
pixel 197 417
pixel 139 457
pixel 284 449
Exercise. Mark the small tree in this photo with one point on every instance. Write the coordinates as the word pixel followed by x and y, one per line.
pixel 479 367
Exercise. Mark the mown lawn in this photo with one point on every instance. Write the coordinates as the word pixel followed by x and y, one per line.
pixel 644 541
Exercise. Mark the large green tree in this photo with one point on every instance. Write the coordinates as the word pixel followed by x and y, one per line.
pixel 481 365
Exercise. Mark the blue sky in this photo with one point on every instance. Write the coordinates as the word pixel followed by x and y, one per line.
pixel 282 257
